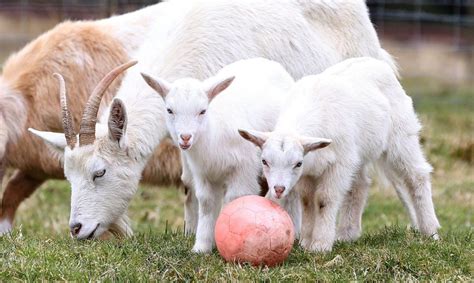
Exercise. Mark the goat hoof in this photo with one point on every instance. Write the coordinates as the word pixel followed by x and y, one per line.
pixel 348 234
pixel 201 248
pixel 5 227
pixel 321 246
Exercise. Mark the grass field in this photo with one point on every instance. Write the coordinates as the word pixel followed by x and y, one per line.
pixel 40 248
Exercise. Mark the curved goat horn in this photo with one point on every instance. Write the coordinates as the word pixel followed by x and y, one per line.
pixel 68 127
pixel 89 116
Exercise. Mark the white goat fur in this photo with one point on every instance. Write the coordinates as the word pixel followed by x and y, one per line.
pixel 200 38
pixel 209 113
pixel 359 105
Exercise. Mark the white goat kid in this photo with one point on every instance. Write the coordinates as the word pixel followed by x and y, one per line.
pixel 203 118
pixel 361 107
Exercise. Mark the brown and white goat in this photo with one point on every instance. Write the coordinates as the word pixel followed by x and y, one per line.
pixel 83 52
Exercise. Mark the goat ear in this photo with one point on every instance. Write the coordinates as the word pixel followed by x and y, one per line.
pixel 56 141
pixel 159 85
pixel 255 137
pixel 117 121
pixel 311 144
pixel 214 89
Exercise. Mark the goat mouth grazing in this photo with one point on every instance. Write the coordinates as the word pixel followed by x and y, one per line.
pixel 91 235
pixel 184 146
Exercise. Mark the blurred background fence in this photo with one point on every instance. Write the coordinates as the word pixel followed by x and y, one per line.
pixel 429 38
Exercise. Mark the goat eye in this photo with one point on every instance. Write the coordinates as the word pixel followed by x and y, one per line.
pixel 202 112
pixel 98 174
pixel 298 164
pixel 264 162
pixel 169 111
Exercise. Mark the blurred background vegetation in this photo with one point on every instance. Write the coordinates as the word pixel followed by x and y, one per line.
pixel 430 38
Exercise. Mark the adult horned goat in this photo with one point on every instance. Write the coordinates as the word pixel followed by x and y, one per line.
pixel 81 51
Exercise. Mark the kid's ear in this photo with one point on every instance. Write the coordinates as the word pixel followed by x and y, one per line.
pixel 214 89
pixel 255 137
pixel 159 85
pixel 311 144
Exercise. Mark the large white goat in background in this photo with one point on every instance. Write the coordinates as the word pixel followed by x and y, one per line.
pixel 305 36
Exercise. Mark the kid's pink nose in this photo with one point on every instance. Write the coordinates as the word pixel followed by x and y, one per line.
pixel 279 190
pixel 186 137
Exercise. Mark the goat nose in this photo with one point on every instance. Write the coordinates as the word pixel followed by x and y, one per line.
pixel 75 229
pixel 186 137
pixel 279 189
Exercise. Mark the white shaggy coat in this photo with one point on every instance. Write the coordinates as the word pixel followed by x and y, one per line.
pixel 337 123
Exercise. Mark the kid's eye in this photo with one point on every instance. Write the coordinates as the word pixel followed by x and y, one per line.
pixel 202 112
pixel 98 174
pixel 169 111
pixel 264 162
pixel 298 164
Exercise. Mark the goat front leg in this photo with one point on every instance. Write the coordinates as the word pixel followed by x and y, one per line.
pixel 292 205
pixel 191 206
pixel 210 200
pixel 307 188
pixel 19 187
pixel 331 188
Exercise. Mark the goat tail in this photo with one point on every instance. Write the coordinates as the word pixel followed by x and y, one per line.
pixel 387 58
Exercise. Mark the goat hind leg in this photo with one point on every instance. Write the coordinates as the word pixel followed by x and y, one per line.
pixel 411 166
pixel 18 188
pixel 191 211
pixel 350 214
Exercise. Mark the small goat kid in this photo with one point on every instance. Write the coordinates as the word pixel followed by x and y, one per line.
pixel 362 111
pixel 203 118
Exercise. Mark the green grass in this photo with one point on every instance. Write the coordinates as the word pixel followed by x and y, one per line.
pixel 40 248
pixel 390 252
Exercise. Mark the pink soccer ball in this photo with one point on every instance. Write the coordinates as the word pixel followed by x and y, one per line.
pixel 256 230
